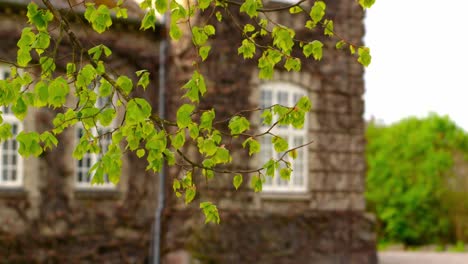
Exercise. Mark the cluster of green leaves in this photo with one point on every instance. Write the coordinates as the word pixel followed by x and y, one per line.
pixel 409 165
pixel 100 17
pixel 284 41
pixel 142 131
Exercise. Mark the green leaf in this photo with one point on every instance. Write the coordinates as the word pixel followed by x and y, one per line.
pixel 285 174
pixel 140 153
pixel 267 117
pixel 29 144
pixel 222 156
pixel 219 16
pixel 204 51
pixel 204 4
pixel 190 194
pixel 170 157
pixel 209 30
pixel 208 147
pixel 270 167
pixel 256 183
pixel 39 17
pixel 199 36
pixel 279 143
pixel 178 140
pixel 366 3
pixel 106 116
pixel 295 10
pixel 184 115
pixel 237 181
pixel 149 20
pixel 195 86
pixel 138 111
pixel 47 66
pixel 293 154
pixel 144 4
pixel 174 31
pixel 100 18
pixel 254 145
pixel 161 6
pixel 238 124
pixel 352 50
pixel 328 28
pixel 340 44
pixel 193 131
pixel 105 88
pixel 364 56
pixel 211 212
pixel 85 76
pixel 20 108
pixel 304 104
pixel 144 79
pixel 206 120
pixel 24 43
pixel 5 131
pixel 248 28
pixel 317 12
pixel 121 12
pixel 283 38
pixel 58 91
pixel 293 64
pixel 176 185
pixel 247 49
pixel 42 93
pixel 125 83
pixel 314 48
pixel 97 51
pixel 42 42
pixel 250 7
pixel 49 140
pixel 71 69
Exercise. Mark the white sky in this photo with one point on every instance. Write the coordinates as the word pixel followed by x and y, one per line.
pixel 419 59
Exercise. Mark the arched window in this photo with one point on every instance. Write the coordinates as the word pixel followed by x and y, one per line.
pixel 11 163
pixel 284 94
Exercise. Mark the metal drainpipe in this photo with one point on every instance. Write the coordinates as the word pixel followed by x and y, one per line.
pixel 163 49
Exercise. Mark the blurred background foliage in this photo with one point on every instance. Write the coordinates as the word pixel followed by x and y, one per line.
pixel 417 180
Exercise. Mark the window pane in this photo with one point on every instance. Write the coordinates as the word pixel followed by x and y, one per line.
pixel 14 129
pixel 266 152
pixel 283 98
pixel 298 166
pixel 296 98
pixel 4 175
pixel 266 98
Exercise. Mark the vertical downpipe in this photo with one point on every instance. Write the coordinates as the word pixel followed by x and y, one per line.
pixel 163 48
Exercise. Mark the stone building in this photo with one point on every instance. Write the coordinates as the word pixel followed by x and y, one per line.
pixel 50 213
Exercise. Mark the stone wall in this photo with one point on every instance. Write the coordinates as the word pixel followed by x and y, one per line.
pixel 326 224
pixel 50 220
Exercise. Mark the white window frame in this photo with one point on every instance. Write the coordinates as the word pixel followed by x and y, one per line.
pixel 86 185
pixel 276 184
pixel 10 118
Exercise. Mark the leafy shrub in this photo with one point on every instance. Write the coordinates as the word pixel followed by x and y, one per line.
pixel 408 166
